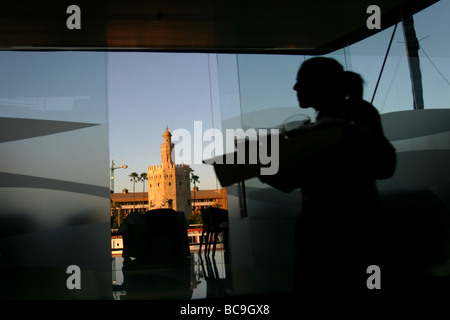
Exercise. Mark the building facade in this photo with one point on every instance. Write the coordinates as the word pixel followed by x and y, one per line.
pixel 209 198
pixel 169 183
pixel 138 201
pixel 130 202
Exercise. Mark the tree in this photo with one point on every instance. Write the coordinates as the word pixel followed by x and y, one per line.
pixel 143 177
pixel 195 218
pixel 116 216
pixel 134 177
pixel 194 179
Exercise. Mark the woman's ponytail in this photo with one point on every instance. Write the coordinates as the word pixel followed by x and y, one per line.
pixel 353 85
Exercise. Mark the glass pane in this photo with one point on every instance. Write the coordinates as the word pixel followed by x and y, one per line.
pixel 63 86
pixel 54 178
pixel 266 89
pixel 432 28
pixel 394 91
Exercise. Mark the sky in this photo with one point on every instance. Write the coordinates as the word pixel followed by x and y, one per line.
pixel 149 91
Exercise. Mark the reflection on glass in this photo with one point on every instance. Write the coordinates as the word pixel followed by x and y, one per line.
pixel 204 277
pixel 53 177
pixel 64 86
pixel 432 27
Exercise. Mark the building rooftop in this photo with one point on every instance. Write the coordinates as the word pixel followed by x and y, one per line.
pixel 123 197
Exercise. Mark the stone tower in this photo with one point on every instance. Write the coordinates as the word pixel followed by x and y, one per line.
pixel 168 183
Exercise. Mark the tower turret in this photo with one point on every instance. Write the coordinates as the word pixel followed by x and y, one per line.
pixel 166 149
pixel 168 183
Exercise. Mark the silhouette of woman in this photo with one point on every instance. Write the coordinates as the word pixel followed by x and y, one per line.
pixel 337 233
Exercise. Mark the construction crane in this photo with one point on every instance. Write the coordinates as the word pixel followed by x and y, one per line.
pixel 114 167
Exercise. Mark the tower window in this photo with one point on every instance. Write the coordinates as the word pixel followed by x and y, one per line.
pixel 170 183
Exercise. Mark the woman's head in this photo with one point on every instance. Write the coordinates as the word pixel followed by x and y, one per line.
pixel 321 82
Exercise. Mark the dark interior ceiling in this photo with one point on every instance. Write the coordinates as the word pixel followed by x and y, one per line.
pixel 280 26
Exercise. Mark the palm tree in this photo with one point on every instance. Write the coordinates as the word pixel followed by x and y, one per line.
pixel 134 176
pixel 143 177
pixel 194 180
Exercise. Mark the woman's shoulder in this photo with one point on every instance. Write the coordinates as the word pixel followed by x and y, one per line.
pixel 362 108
